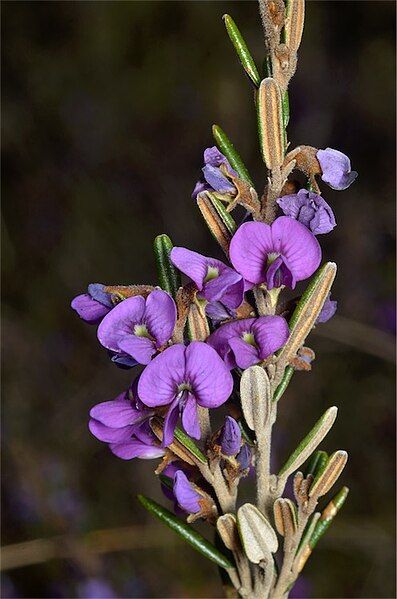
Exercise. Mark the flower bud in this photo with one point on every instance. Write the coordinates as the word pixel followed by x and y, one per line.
pixel 230 437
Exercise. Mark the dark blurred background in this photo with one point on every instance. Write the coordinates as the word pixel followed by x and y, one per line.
pixel 107 107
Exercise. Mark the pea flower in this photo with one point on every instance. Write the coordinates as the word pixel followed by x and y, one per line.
pixel 278 254
pixel 137 327
pixel 214 178
pixel 184 378
pixel 125 428
pixel 327 311
pixel 246 342
pixel 336 169
pixel 230 437
pixel 310 209
pixel 186 496
pixel 93 305
pixel 215 281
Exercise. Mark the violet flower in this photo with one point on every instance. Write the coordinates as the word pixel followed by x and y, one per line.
pixel 244 457
pixel 336 169
pixel 246 342
pixel 125 428
pixel 215 281
pixel 139 327
pixel 184 378
pixel 230 437
pixel 327 311
pixel 278 254
pixel 93 305
pixel 186 496
pixel 213 177
pixel 310 209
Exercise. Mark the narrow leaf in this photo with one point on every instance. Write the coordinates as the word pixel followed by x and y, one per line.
pixel 328 515
pixel 285 516
pixel 187 533
pixel 270 123
pixel 255 393
pixel 214 222
pixel 256 533
pixel 228 149
pixel 227 529
pixel 226 217
pixel 169 277
pixel 241 48
pixel 309 443
pixel 293 28
pixel 328 477
pixel 187 442
pixel 316 463
pixel 304 550
pixel 285 107
pixel 280 389
pixel 166 481
pixel 306 313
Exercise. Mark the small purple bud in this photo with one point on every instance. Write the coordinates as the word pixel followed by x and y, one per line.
pixel 187 498
pixel 327 311
pixel 244 457
pixel 336 168
pixel 230 437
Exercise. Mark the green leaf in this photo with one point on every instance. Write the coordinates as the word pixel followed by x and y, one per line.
pixel 189 444
pixel 328 515
pixel 226 217
pixel 228 149
pixel 166 481
pixel 309 443
pixel 285 108
pixel 316 463
pixel 169 277
pixel 241 48
pixel 198 542
pixel 280 389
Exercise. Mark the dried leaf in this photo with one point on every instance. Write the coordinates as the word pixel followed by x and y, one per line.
pixel 256 533
pixel 309 443
pixel 227 529
pixel 285 517
pixel 326 478
pixel 270 123
pixel 255 395
pixel 294 22
pixel 214 221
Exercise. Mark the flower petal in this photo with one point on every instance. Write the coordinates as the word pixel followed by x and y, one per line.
pixel 249 248
pixel 98 293
pixel 218 181
pixel 170 422
pixel 230 437
pixel 160 315
pixel 136 449
pixel 186 496
pixel 190 419
pixel 211 381
pixel 139 348
pixel 270 332
pixel 88 309
pixel 110 435
pixel 116 413
pixel 228 287
pixel 297 244
pixel 336 168
pixel 120 322
pixel 219 340
pixel 159 381
pixel 192 264
pixel 245 354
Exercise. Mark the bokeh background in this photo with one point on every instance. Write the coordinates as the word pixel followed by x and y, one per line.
pixel 107 107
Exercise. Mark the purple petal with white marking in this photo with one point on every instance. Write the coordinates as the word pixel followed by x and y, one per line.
pixel 120 322
pixel 245 354
pixel 192 264
pixel 219 340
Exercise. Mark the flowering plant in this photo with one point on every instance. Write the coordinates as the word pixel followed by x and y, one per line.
pixel 228 337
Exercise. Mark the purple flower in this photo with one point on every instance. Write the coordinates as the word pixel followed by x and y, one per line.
pixel 278 254
pixel 327 311
pixel 184 377
pixel 246 342
pixel 214 280
pixel 244 457
pixel 93 305
pixel 336 168
pixel 185 494
pixel 230 437
pixel 125 428
pixel 139 327
pixel 310 209
pixel 214 177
